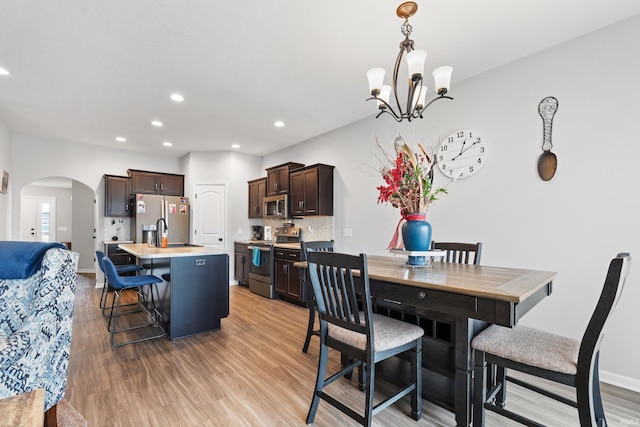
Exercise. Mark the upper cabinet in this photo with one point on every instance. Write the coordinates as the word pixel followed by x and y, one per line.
pixel 312 190
pixel 116 198
pixel 257 191
pixel 143 182
pixel 278 178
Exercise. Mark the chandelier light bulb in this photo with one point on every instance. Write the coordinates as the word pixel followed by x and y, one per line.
pixel 415 63
pixel 420 97
pixel 442 77
pixel 376 79
pixel 385 94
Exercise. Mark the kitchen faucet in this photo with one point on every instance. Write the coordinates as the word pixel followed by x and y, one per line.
pixel 159 233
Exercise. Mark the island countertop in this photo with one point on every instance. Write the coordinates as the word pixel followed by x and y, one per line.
pixel 144 251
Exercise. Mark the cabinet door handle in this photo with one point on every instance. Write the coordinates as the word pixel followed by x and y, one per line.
pixel 155 186
pixel 161 187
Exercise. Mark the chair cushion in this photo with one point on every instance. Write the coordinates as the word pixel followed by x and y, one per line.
pixel 531 347
pixel 387 333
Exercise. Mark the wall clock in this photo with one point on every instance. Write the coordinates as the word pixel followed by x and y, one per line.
pixel 462 154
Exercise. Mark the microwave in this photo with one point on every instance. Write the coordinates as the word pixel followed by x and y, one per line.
pixel 276 207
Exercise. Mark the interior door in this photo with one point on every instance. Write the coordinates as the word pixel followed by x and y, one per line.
pixel 37 219
pixel 209 215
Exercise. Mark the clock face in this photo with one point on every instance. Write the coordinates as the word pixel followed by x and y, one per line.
pixel 462 154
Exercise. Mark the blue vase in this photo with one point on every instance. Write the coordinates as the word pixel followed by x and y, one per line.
pixel 416 235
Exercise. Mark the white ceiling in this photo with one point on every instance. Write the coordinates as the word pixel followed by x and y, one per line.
pixel 89 71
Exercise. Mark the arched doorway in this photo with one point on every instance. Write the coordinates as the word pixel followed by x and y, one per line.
pixel 60 209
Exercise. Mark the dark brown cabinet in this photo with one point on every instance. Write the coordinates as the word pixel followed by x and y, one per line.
pixel 278 178
pixel 242 261
pixel 257 191
pixel 287 280
pixel 119 256
pixel 143 182
pixel 312 190
pixel 116 196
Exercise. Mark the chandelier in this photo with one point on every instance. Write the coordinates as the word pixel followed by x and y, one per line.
pixel 416 96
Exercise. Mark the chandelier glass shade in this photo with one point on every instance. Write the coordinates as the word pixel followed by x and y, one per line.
pixel 417 91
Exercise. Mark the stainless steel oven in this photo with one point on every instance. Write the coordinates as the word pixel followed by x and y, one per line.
pixel 261 269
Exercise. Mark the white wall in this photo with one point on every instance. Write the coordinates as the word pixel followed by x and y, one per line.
pixel 234 170
pixel 573 224
pixel 5 164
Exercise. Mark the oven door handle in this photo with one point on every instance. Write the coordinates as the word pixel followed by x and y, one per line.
pixel 261 248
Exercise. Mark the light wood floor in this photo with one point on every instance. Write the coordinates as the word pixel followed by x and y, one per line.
pixel 249 373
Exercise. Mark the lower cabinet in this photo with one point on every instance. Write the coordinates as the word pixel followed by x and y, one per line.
pixel 287 278
pixel 119 256
pixel 242 261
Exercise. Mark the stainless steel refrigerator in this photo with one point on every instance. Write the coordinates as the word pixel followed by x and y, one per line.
pixel 146 209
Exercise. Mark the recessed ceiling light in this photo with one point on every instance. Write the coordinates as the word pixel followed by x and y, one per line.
pixel 3 72
pixel 177 97
pixel 278 124
pixel 157 123
pixel 167 144
pixel 121 139
pixel 235 146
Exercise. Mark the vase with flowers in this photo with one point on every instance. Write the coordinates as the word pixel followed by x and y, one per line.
pixel 409 187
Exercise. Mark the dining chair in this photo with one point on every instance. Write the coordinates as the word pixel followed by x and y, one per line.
pixel 122 283
pixel 323 246
pixel 340 282
pixel 549 356
pixel 463 253
pixel 121 269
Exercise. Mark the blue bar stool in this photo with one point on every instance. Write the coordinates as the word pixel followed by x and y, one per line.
pixel 121 269
pixel 121 283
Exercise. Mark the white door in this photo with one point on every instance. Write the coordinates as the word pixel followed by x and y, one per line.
pixel 37 219
pixel 209 215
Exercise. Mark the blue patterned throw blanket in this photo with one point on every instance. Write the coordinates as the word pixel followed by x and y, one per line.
pixel 20 260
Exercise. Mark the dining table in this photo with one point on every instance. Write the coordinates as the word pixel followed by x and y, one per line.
pixel 452 302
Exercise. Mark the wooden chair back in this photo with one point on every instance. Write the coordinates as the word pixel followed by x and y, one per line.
pixel 611 291
pixel 337 290
pixel 461 253
pixel 318 245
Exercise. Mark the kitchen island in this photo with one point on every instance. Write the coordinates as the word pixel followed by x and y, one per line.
pixel 194 294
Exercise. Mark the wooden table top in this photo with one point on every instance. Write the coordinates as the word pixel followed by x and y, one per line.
pixel 500 283
pixel 23 410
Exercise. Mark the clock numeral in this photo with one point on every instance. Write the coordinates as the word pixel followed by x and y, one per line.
pixel 441 157
pixel 450 139
pixel 444 166
pixel 481 149
pixel 444 147
pixel 479 160
pixel 470 169
pixel 461 134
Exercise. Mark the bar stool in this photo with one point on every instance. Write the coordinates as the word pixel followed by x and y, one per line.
pixel 121 269
pixel 121 283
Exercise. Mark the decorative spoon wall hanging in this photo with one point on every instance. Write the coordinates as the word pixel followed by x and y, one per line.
pixel 547 162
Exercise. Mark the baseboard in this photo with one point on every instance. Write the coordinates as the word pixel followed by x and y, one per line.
pixel 233 282
pixel 86 270
pixel 621 381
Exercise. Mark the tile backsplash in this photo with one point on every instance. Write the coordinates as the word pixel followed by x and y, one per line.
pixel 117 227
pixel 312 227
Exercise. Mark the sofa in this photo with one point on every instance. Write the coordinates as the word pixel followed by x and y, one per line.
pixel 37 291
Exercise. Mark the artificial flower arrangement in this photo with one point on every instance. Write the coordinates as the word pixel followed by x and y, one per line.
pixel 409 182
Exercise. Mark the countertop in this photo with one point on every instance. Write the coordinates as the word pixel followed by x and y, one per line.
pixel 269 242
pixel 116 242
pixel 144 251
